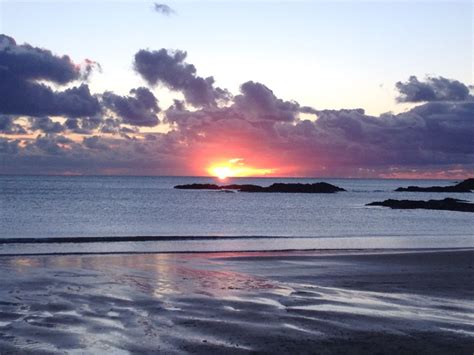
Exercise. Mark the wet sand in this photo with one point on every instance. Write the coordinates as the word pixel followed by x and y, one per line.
pixel 315 302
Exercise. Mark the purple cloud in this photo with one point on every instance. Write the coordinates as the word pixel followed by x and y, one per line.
pixel 22 66
pixel 138 109
pixel 171 70
pixel 432 89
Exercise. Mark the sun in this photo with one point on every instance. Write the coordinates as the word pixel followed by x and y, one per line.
pixel 235 168
pixel 221 172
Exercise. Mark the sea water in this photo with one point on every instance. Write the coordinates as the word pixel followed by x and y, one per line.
pixel 203 220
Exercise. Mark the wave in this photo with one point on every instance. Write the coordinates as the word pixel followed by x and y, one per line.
pixel 115 239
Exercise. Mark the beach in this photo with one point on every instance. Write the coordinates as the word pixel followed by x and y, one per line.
pixel 332 301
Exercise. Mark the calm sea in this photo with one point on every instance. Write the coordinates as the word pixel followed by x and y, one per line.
pixel 71 207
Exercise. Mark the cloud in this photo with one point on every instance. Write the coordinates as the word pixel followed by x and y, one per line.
pixel 258 100
pixel 210 124
pixel 9 147
pixel 94 142
pixel 86 125
pixel 111 126
pixel 138 109
pixel 51 144
pixel 8 125
pixel 435 136
pixel 22 67
pixel 339 142
pixel 169 68
pixel 31 63
pixel 256 104
pixel 163 9
pixel 432 89
pixel 46 125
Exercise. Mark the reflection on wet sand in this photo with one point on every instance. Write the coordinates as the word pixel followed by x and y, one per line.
pixel 154 274
pixel 237 302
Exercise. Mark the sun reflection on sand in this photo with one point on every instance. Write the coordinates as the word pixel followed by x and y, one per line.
pixel 154 274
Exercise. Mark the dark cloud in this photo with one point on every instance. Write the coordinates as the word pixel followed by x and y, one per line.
pixel 95 142
pixel 255 125
pixel 261 102
pixel 9 146
pixel 73 125
pixel 432 89
pixel 338 141
pixel 46 125
pixel 349 142
pixel 170 69
pixel 31 63
pixel 51 144
pixel 432 134
pixel 163 9
pixel 84 125
pixel 256 103
pixel 111 125
pixel 91 123
pixel 9 126
pixel 32 99
pixel 139 109
pixel 21 93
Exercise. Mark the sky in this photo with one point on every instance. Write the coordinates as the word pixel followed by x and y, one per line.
pixel 283 88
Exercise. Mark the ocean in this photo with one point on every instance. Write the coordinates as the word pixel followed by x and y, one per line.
pixel 71 207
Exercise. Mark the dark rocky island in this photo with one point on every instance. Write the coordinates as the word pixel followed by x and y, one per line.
pixel 448 204
pixel 464 186
pixel 319 187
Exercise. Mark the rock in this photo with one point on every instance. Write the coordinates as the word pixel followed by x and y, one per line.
pixel 464 186
pixel 198 187
pixel 448 204
pixel 239 187
pixel 320 187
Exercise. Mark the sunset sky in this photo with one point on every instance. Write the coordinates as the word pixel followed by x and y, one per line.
pixel 275 88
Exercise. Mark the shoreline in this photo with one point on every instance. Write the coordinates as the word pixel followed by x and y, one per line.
pixel 257 253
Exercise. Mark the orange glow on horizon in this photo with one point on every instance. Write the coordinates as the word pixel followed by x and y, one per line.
pixel 236 168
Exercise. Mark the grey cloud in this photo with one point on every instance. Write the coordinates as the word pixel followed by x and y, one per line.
pixel 111 126
pixel 50 144
pixel 95 142
pixel 163 9
pixel 29 98
pixel 8 125
pixel 432 89
pixel 139 109
pixel 433 134
pixel 170 69
pixel 22 66
pixel 260 101
pixel 31 63
pixel 255 123
pixel 9 146
pixel 46 125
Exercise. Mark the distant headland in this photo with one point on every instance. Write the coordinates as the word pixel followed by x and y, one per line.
pixel 464 186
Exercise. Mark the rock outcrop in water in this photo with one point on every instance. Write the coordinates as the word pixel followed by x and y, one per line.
pixel 464 186
pixel 319 187
pixel 448 204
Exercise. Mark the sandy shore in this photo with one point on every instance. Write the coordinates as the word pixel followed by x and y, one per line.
pixel 317 302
